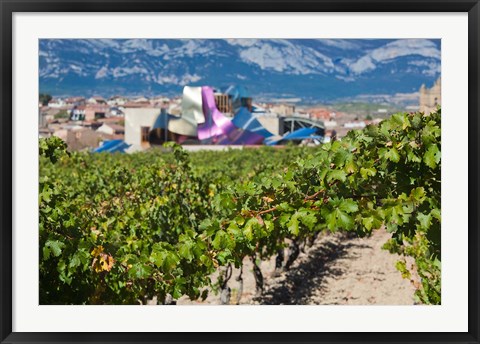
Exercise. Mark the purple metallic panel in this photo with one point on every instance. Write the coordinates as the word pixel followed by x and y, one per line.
pixel 240 137
pixel 215 122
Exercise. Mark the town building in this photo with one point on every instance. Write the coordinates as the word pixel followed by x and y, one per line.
pixel 117 100
pixel 46 115
pixel 96 100
pixel 138 123
pixel 57 103
pixel 111 129
pixel 224 103
pixel 430 98
pixel 75 101
pixel 96 111
pixel 283 109
pixel 78 113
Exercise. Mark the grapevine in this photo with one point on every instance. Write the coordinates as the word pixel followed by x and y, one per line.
pixel 122 229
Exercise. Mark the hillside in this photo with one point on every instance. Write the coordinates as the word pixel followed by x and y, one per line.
pixel 307 69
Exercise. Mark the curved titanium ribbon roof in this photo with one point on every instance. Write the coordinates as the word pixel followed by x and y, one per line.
pixel 182 126
pixel 177 125
pixel 192 105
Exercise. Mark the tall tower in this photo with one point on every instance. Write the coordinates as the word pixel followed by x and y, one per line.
pixel 430 98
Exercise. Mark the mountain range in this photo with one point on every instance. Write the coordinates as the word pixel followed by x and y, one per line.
pixel 306 70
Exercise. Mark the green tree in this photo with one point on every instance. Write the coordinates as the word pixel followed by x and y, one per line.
pixel 62 114
pixel 44 98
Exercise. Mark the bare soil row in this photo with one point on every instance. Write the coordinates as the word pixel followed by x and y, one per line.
pixel 337 269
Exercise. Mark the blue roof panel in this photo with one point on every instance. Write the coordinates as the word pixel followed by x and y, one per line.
pixel 243 119
pixel 300 134
pixel 112 146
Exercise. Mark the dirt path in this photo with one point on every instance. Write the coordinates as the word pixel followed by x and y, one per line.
pixel 336 270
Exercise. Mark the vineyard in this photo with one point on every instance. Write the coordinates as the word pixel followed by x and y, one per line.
pixel 123 229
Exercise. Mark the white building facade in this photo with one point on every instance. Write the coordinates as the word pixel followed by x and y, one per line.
pixel 138 123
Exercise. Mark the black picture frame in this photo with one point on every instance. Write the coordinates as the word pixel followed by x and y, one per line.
pixel 9 7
